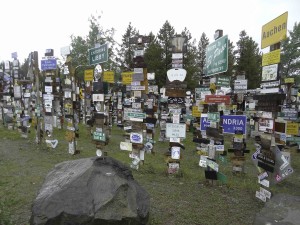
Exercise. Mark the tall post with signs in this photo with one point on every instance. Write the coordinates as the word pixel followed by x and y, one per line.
pixel 48 67
pixel 274 126
pixel 100 133
pixel 176 93
pixel 212 105
pixel 134 115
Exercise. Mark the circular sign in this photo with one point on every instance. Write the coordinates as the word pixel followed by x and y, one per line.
pixel 99 153
pixel 97 72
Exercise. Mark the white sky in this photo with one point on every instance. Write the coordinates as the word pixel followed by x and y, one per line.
pixel 37 25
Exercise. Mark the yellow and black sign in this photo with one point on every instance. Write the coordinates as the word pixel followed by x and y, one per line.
pixel 274 31
pixel 271 58
pixel 196 112
pixel 292 128
pixel 109 76
pixel 88 75
pixel 127 78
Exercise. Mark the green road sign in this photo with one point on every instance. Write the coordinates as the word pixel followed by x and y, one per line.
pixel 99 136
pixel 217 56
pixel 98 55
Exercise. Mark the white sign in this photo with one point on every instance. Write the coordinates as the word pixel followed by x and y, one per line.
pixel 176 74
pixel 177 56
pixel 98 97
pixel 269 72
pixel 176 130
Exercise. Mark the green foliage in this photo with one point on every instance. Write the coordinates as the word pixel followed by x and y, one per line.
pixel 290 53
pixel 249 60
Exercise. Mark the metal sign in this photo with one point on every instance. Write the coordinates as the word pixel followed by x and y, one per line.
pixel 217 56
pixel 233 123
pixel 175 130
pixel 269 73
pixel 98 55
pixel 48 64
pixel 274 31
pixel 204 122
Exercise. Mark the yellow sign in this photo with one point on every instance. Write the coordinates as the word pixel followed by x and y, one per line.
pixel 127 77
pixel 88 75
pixel 289 80
pixel 196 112
pixel 274 31
pixel 270 58
pixel 109 76
pixel 292 128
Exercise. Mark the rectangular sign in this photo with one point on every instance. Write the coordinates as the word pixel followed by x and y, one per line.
pixel 109 76
pixel 269 72
pixel 233 123
pixel 274 31
pixel 88 75
pixel 204 122
pixel 217 99
pixel 98 55
pixel 126 78
pixel 270 58
pixel 48 64
pixel 292 128
pixel 217 56
pixel 174 130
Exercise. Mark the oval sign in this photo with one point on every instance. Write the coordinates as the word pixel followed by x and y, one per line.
pixel 176 74
pixel 136 138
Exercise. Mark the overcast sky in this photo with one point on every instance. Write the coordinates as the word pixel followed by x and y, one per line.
pixel 37 25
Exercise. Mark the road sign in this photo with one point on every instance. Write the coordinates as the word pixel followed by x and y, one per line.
pixel 48 64
pixel 233 123
pixel 217 56
pixel 99 54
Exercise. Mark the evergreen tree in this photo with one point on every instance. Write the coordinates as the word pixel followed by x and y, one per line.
pixel 126 52
pixel 201 54
pixel 164 37
pixel 249 60
pixel 290 53
pixel 231 62
pixel 154 60
pixel 189 61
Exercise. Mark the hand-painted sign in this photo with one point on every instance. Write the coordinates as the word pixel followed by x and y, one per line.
pixel 233 123
pixel 176 130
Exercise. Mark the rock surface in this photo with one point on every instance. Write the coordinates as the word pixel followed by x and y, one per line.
pixel 281 209
pixel 90 191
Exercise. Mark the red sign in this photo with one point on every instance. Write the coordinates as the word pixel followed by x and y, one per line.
pixel 217 99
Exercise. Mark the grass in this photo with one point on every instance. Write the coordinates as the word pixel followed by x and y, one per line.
pixel 184 198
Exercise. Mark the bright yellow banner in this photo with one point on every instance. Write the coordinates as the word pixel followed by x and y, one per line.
pixel 271 58
pixel 126 78
pixel 109 76
pixel 88 75
pixel 292 128
pixel 274 31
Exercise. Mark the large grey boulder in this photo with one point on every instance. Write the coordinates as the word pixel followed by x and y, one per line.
pixel 281 209
pixel 90 191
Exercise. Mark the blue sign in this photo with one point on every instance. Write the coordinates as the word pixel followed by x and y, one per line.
pixel 48 64
pixel 204 123
pixel 233 123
